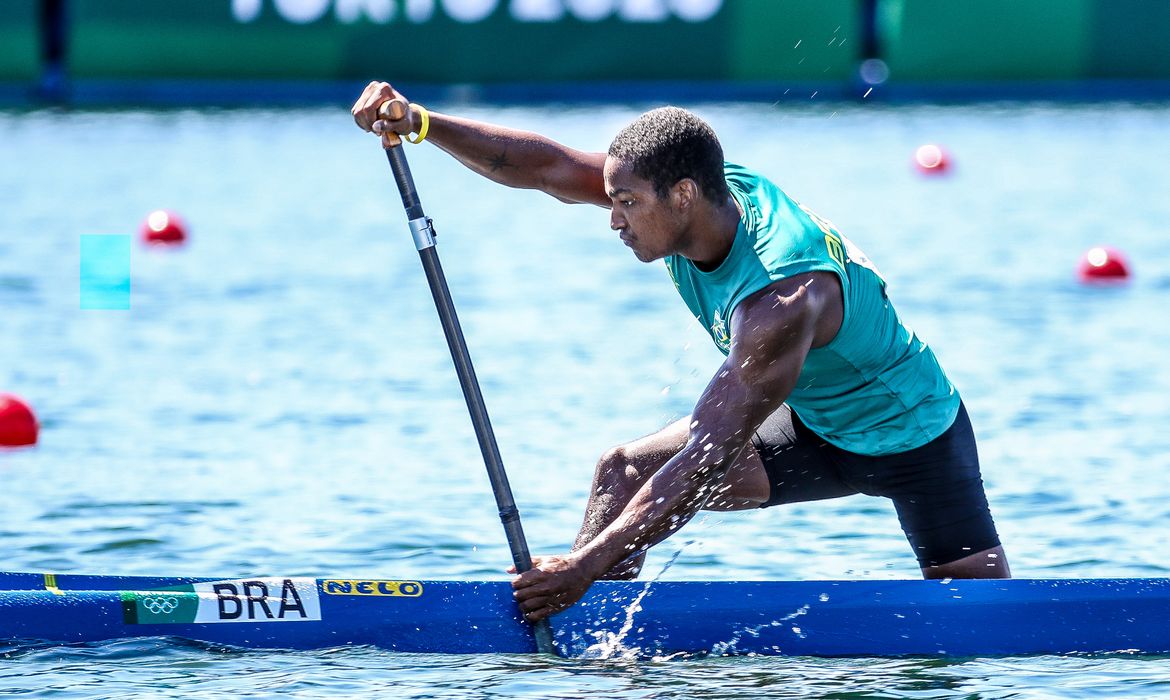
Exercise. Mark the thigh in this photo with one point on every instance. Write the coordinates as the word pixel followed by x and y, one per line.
pixel 744 486
pixel 657 448
pixel 784 462
pixel 791 464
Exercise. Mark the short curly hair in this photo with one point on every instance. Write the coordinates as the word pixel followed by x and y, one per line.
pixel 668 144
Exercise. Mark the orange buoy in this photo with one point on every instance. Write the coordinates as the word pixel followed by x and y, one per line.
pixel 1103 264
pixel 163 227
pixel 18 425
pixel 931 159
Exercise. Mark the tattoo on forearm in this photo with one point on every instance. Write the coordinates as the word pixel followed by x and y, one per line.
pixel 497 163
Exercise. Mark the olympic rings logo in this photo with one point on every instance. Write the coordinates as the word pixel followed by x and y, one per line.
pixel 161 606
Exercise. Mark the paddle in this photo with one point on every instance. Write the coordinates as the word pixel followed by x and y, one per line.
pixel 424 240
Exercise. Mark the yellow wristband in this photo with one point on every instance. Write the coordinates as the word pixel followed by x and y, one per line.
pixel 426 124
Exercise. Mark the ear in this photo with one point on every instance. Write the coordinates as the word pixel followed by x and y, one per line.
pixel 684 194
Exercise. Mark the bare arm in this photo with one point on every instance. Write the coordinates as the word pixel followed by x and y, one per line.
pixel 511 157
pixel 772 332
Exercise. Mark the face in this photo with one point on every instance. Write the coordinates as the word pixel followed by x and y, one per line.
pixel 650 226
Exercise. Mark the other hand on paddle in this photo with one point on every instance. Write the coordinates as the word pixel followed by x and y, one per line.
pixel 367 115
pixel 552 585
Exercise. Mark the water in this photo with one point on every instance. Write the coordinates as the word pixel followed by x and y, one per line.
pixel 279 400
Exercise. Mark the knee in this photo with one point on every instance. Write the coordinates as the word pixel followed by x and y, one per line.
pixel 617 470
pixel 990 563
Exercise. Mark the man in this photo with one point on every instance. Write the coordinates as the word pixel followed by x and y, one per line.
pixel 824 392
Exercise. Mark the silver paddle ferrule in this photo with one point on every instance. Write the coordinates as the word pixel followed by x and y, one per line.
pixel 423 232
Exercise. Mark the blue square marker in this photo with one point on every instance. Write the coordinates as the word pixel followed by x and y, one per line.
pixel 105 272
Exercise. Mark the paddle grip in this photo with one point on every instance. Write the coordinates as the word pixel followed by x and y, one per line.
pixel 393 110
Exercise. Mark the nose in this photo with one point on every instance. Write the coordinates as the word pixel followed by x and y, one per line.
pixel 617 222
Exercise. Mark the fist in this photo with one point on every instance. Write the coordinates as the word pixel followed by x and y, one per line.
pixel 370 115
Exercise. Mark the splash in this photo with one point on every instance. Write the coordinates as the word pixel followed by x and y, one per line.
pixel 612 645
pixel 730 647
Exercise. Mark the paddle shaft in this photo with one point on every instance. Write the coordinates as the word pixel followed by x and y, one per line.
pixel 424 238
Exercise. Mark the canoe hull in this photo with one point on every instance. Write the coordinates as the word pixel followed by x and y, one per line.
pixel 807 618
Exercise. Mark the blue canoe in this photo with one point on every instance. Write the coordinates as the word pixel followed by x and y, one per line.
pixel 814 618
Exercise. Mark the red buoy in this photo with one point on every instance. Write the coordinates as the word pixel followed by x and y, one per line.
pixel 1103 264
pixel 18 425
pixel 931 159
pixel 163 227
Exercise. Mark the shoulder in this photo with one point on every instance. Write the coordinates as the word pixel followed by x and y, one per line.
pixel 747 179
pixel 761 198
pixel 743 179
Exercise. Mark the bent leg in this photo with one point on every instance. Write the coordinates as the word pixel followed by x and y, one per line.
pixel 623 470
pixel 620 472
pixel 784 462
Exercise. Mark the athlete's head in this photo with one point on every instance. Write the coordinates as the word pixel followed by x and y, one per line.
pixel 659 172
pixel 669 144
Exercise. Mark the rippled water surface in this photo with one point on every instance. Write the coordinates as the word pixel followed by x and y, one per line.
pixel 279 399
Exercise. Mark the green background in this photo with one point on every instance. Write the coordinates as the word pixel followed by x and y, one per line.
pixel 19 50
pixel 745 41
pixel 996 40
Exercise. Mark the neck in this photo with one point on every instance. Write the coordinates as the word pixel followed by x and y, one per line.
pixel 710 234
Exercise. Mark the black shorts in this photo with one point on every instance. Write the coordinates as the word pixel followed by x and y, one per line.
pixel 936 489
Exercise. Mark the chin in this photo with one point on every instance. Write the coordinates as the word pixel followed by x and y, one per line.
pixel 646 257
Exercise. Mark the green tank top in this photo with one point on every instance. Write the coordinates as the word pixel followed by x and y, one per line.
pixel 876 388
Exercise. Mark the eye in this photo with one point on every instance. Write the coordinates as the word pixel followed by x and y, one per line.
pixel 626 202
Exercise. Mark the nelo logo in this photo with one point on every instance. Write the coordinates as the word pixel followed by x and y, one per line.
pixel 470 11
pixel 405 589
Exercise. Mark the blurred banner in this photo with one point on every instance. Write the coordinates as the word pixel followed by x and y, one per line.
pixel 558 41
pixel 1022 40
pixel 19 43
pixel 465 41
